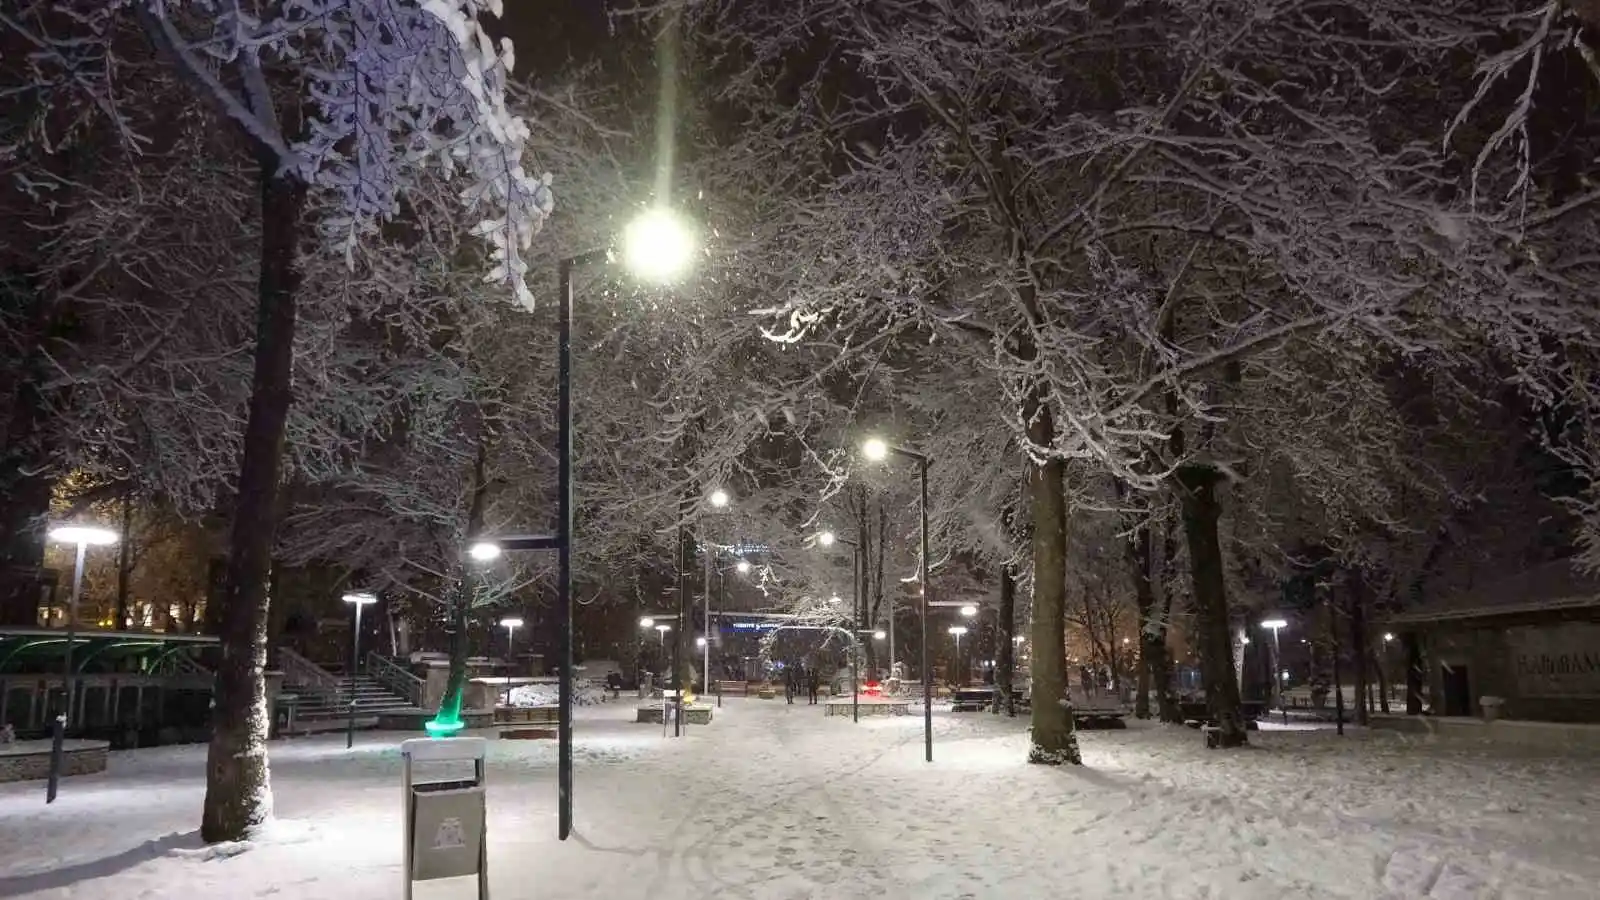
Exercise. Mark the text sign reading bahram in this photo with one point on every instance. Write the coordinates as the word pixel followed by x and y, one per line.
pixel 1556 661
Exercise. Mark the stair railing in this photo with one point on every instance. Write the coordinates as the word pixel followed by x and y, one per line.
pixel 308 677
pixel 393 676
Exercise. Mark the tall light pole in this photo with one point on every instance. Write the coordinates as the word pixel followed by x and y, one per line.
pixel 877 450
pixel 357 600
pixel 1276 625
pixel 657 246
pixel 958 631
pixel 83 537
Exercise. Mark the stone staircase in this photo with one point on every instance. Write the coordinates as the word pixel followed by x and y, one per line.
pixel 325 695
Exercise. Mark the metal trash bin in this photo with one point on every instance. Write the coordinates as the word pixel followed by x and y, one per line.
pixel 445 821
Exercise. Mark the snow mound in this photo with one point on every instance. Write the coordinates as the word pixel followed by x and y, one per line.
pixel 549 695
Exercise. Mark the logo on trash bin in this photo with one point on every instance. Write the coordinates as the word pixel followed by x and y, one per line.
pixel 450 835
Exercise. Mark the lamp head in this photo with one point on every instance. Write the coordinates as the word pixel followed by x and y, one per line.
pixel 875 449
pixel 360 598
pixel 719 498
pixel 958 630
pixel 83 534
pixel 879 635
pixel 969 610
pixel 484 551
pixel 658 245
pixel 1274 624
pixel 647 622
pixel 826 539
pixel 511 622
pixel 742 567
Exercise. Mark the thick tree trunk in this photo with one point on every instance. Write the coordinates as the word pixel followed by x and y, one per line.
pixel 450 705
pixel 1139 552
pixel 1053 740
pixel 1358 646
pixel 1201 511
pixel 1414 672
pixel 238 790
pixel 1005 662
pixel 26 476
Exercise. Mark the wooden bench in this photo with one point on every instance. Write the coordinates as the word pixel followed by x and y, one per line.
pixel 734 688
pixel 527 715
pixel 971 699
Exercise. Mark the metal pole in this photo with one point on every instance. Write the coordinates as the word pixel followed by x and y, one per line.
pixel 71 681
pixel 927 591
pixel 677 643
pixel 855 632
pixel 705 590
pixel 355 657
pixel 564 552
pixel 58 731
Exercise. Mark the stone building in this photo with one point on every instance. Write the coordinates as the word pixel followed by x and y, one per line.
pixel 1531 639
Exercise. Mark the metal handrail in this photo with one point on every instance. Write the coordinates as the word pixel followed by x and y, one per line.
pixel 306 675
pixel 393 676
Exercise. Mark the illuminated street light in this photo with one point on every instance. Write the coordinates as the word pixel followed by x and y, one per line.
pixel 875 449
pixel 647 622
pixel 1276 625
pixel 719 498
pixel 1388 636
pixel 879 635
pixel 83 537
pixel 658 245
pixel 969 610
pixel 357 600
pixel 742 567
pixel 484 551
pixel 826 539
pixel 700 641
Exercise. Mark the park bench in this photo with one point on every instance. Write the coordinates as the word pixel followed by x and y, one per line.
pixel 971 699
pixel 734 688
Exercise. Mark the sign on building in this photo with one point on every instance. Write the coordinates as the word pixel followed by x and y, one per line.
pixel 1556 660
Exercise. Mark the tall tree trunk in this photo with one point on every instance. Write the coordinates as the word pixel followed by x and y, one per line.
pixel 1005 664
pixel 1415 675
pixel 26 476
pixel 1139 555
pixel 124 560
pixel 1201 511
pixel 238 789
pixel 1358 645
pixel 450 704
pixel 1161 656
pixel 1053 740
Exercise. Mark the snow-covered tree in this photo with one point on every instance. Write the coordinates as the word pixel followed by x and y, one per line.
pixel 359 100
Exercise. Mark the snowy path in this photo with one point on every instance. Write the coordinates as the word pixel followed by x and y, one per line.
pixel 776 802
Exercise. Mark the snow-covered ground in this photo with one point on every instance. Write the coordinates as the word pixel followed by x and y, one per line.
pixel 777 801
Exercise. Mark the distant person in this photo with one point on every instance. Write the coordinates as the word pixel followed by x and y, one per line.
pixel 614 682
pixel 813 682
pixel 789 686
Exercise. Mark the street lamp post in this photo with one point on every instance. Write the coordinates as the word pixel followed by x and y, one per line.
pixel 719 499
pixel 656 246
pixel 958 631
pixel 357 600
pixel 510 624
pixel 1276 625
pixel 83 537
pixel 877 450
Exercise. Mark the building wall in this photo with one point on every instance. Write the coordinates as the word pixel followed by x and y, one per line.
pixel 1546 666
